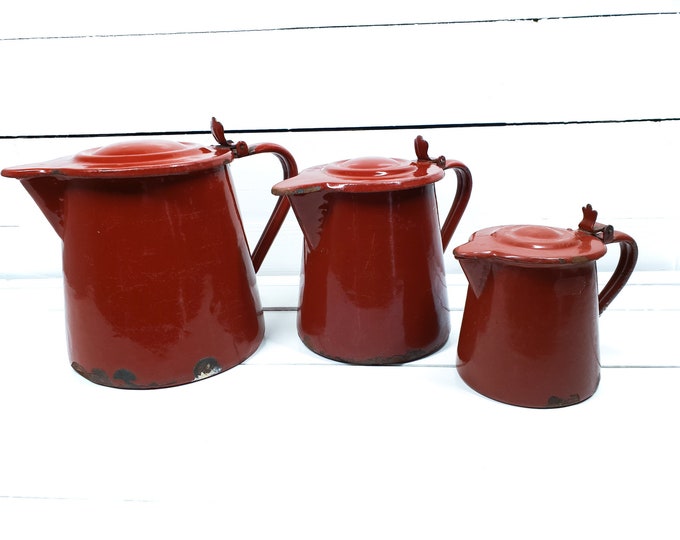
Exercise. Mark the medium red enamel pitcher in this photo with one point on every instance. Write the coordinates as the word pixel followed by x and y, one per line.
pixel 373 289
pixel 160 285
pixel 529 334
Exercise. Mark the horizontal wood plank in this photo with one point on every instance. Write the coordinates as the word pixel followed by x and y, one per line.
pixel 67 18
pixel 552 70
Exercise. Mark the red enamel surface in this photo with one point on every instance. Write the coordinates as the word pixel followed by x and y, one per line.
pixel 529 334
pixel 532 245
pixel 135 159
pixel 160 286
pixel 373 286
pixel 362 175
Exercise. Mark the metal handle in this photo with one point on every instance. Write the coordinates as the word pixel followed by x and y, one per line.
pixel 241 149
pixel 627 258
pixel 282 204
pixel 460 201
pixel 462 197
pixel 623 271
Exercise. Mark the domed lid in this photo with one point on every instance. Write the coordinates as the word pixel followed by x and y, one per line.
pixel 367 174
pixel 128 159
pixel 530 245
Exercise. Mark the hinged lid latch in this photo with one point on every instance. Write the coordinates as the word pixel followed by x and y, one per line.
pixel 590 225
pixel 421 151
pixel 239 148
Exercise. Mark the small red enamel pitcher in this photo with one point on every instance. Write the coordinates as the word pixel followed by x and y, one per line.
pixel 160 285
pixel 529 334
pixel 373 289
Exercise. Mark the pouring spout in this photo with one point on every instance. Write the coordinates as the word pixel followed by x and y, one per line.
pixel 310 209
pixel 48 192
pixel 477 272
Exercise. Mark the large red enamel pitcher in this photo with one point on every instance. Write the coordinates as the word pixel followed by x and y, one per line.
pixel 160 285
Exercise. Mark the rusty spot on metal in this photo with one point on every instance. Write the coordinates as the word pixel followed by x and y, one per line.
pixel 409 356
pixel 122 378
pixel 556 401
pixel 126 377
pixel 206 367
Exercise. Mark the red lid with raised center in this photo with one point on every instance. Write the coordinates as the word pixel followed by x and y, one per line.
pixel 367 174
pixel 533 245
pixel 129 159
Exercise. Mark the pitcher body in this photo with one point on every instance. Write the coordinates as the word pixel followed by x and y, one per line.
pixel 373 287
pixel 159 286
pixel 159 280
pixel 529 334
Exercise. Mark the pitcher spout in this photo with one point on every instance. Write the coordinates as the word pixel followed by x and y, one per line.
pixel 47 191
pixel 477 272
pixel 310 209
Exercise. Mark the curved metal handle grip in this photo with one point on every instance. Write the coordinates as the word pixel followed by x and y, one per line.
pixel 459 202
pixel 282 204
pixel 623 271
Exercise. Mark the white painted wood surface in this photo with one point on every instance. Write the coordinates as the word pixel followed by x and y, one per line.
pixel 551 105
pixel 495 84
pixel 290 445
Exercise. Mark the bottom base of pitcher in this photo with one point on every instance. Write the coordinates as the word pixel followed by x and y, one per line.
pixel 126 379
pixel 377 360
pixel 548 400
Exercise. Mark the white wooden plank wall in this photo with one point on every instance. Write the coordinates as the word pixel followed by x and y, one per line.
pixel 551 105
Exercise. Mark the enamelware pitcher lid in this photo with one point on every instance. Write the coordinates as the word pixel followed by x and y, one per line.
pixel 129 159
pixel 530 245
pixel 367 174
